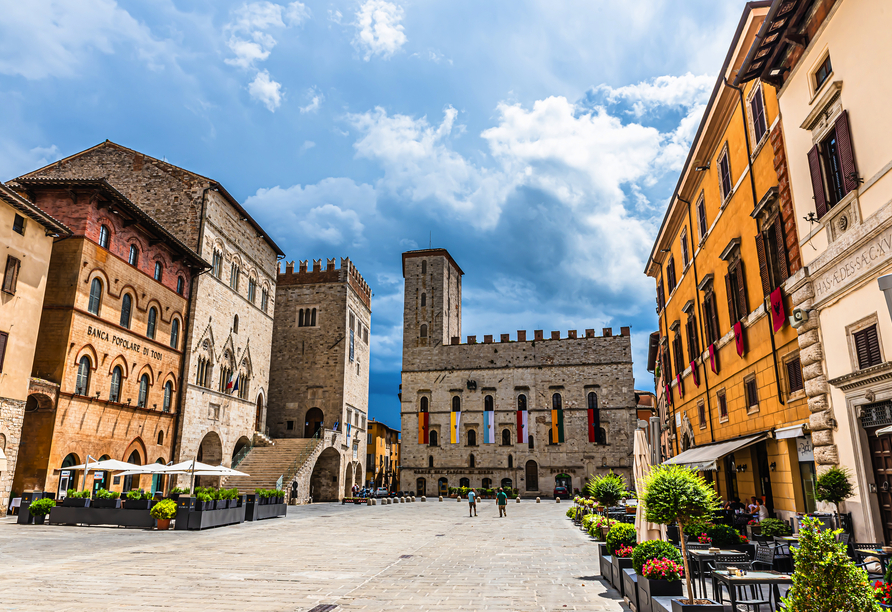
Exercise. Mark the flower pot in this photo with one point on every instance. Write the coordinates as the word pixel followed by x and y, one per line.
pixel 106 503
pixel 76 502
pixel 40 519
pixel 136 504
pixel 619 564
pixel 163 524
pixel 712 606
pixel 648 588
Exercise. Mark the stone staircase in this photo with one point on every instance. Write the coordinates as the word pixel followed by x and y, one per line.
pixel 285 458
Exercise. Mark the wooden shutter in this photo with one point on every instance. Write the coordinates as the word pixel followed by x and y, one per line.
pixel 661 298
pixel 670 274
pixel 817 181
pixel 743 303
pixel 713 318
pixel 3 338
pixel 794 375
pixel 867 346
pixel 701 218
pixel 846 152
pixel 759 120
pixel 783 268
pixel 11 275
pixel 695 337
pixel 732 304
pixel 763 264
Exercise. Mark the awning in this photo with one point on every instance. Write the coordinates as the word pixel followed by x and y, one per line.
pixel 794 431
pixel 884 430
pixel 705 458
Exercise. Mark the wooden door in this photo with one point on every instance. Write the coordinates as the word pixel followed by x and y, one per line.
pixel 881 456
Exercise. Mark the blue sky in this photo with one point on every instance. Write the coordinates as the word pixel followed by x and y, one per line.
pixel 537 141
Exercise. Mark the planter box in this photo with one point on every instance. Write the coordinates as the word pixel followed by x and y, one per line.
pixel 602 548
pixel 630 586
pixel 40 519
pixel 606 564
pixel 208 518
pixel 619 564
pixel 256 512
pixel 752 530
pixel 75 502
pixel 101 516
pixel 221 504
pixel 711 607
pixel 648 589
pixel 139 504
pixel 106 503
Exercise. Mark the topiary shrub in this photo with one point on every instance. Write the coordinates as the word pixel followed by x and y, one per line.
pixel 654 549
pixel 620 534
pixel 773 527
pixel 164 510
pixel 825 578
pixel 723 536
pixel 42 506
pixel 834 486
pixel 608 489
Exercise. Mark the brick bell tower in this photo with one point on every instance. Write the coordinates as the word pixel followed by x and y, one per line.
pixel 432 300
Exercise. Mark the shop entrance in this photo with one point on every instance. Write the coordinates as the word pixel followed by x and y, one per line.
pixel 881 457
pixel 764 475
pixel 443 487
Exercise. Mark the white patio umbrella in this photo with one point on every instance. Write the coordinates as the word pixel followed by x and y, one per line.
pixel 641 468
pixel 194 468
pixel 149 468
pixel 220 470
pixel 107 465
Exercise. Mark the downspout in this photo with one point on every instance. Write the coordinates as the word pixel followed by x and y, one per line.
pixel 700 318
pixel 749 161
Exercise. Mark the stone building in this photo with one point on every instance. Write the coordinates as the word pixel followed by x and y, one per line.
pixel 28 234
pixel 110 350
pixel 382 456
pixel 228 329
pixel 319 373
pixel 530 413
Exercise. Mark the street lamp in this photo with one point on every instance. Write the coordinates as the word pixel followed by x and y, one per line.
pixel 885 283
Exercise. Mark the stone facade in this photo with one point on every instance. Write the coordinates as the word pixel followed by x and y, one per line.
pixel 229 325
pixel 441 375
pixel 319 372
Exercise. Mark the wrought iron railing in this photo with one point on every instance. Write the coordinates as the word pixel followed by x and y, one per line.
pixel 240 456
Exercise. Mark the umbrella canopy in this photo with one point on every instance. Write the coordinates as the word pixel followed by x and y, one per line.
pixel 149 468
pixel 220 470
pixel 107 465
pixel 641 468
pixel 188 466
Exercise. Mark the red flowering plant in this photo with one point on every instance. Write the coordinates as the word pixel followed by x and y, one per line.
pixel 704 539
pixel 744 539
pixel 625 551
pixel 753 522
pixel 662 569
pixel 882 591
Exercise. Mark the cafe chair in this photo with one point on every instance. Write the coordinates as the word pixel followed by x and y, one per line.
pixel 867 561
pixel 764 558
pixel 698 546
pixel 752 601
pixel 782 555
pixel 732 558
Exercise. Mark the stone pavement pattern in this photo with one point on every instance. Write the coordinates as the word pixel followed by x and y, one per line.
pixel 348 556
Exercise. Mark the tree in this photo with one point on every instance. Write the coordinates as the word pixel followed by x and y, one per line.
pixel 825 577
pixel 608 489
pixel 674 493
pixel 834 486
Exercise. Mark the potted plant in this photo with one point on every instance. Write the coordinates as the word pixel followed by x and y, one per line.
pixel 76 499
pixel 162 512
pixel 825 577
pixel 607 489
pixel 176 492
pixel 40 508
pixel 621 536
pixel 674 493
pixel 774 528
pixel 203 501
pixel 106 499
pixel 753 528
pixel 138 499
pixel 656 583
pixel 834 487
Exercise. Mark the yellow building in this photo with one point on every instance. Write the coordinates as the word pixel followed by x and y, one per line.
pixel 725 251
pixel 382 456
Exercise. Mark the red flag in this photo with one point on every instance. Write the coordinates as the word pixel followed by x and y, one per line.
pixel 668 395
pixel 695 373
pixel 778 316
pixel 713 359
pixel 738 338
pixel 680 385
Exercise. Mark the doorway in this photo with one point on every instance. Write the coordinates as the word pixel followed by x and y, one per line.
pixel 881 458
pixel 532 476
pixel 129 480
pixel 764 475
pixel 68 478
pixel 312 422
pixel 443 487
pixel 421 487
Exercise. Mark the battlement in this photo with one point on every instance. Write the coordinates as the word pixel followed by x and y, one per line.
pixel 347 273
pixel 539 335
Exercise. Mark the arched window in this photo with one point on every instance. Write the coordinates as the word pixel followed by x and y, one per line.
pixel 252 289
pixel 181 285
pixel 114 394
pixel 423 300
pixel 104 237
pixel 235 324
pixel 168 395
pixel 175 333
pixel 456 404
pixel 95 296
pixel 603 433
pixel 487 403
pixel 159 271
pixel 521 402
pixel 424 403
pixel 83 376
pixel 126 307
pixel 472 438
pixel 161 437
pixel 430 461
pixel 143 391
pixel 506 437
pixel 464 482
pixel 423 332
pixel 424 267
pixel 510 461
pixel 487 483
pixel 472 462
pixel 595 417
pixel 556 401
pixel 264 299
pixel 153 319
pixel 433 438
pixel 530 441
pixel 313 318
pixel 133 258
pixel 300 317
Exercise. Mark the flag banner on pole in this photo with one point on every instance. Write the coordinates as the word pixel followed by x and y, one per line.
pixel 229 383
pixel 489 432
pixel 778 316
pixel 423 436
pixel 235 384
pixel 713 359
pixel 593 425
pixel 695 373
pixel 348 429
pixel 455 418
pixel 522 432
pixel 680 384
pixel 668 394
pixel 738 338
pixel 557 426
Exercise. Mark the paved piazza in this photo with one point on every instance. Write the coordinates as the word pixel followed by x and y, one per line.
pixel 324 554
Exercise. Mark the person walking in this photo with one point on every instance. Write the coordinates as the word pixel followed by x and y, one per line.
pixel 502 501
pixel 472 503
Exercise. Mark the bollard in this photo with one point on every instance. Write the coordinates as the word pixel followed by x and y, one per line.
pixel 517 500
pixel 441 498
pixel 402 500
pixel 458 499
pixel 538 500
pixel 423 498
pixel 557 500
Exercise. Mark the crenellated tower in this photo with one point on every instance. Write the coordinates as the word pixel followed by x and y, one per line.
pixel 432 300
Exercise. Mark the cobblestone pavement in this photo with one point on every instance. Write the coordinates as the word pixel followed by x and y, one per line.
pixel 421 556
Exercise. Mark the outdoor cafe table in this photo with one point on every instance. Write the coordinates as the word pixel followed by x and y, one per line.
pixel 701 556
pixel 874 552
pixel 771 579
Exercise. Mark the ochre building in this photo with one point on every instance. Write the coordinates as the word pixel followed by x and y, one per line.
pixel 108 369
pixel 382 456
pixel 529 413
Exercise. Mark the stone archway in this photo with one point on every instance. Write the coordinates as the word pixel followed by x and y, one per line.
pixel 357 475
pixel 312 422
pixel 241 444
pixel 324 480
pixel 210 451
pixel 348 481
pixel 32 471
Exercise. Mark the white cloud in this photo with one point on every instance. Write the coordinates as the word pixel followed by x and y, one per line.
pixel 316 99
pixel 265 90
pixel 335 16
pixel 15 160
pixel 54 37
pixel 682 91
pixel 379 31
pixel 307 145
pixel 247 32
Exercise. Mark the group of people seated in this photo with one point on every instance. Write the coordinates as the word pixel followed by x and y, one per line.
pixel 755 507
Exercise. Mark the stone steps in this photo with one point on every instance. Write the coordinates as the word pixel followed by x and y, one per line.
pixel 266 464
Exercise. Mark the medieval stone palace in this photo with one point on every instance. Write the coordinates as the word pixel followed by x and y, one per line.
pixel 528 413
